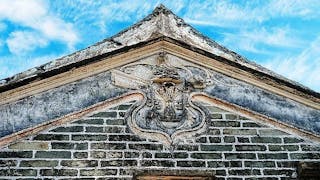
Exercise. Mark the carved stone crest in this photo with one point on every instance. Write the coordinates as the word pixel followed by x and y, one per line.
pixel 167 113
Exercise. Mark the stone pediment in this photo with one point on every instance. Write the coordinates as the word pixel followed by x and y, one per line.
pixel 169 69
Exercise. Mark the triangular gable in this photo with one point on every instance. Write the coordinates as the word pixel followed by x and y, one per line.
pixel 70 86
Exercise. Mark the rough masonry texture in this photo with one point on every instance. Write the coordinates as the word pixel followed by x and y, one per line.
pixel 157 99
pixel 101 146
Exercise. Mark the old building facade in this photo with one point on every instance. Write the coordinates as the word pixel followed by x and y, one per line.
pixel 157 101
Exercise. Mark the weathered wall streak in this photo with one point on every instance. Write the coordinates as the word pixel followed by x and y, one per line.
pixel 57 102
pixel 266 103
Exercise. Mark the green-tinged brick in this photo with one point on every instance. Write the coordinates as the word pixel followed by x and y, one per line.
pixel 266 140
pixel 232 156
pixel 14 154
pixel 131 154
pixel 259 164
pixel 191 164
pixel 94 129
pixel 206 155
pixel 97 172
pixel 80 155
pixel 310 147
pixel 114 129
pixel 109 146
pixel 250 124
pixel 157 163
pixel 58 172
pixel 29 146
pixel 146 155
pixel 111 114
pixel 231 116
pixel 180 155
pixel 272 132
pixel 229 139
pixel 119 163
pixel 305 156
pixel 50 137
pixel 250 147
pixel 288 164
pixel 214 139
pixel 146 146
pixel 18 172
pixel 244 172
pixel 62 145
pixel 283 147
pixel 38 163
pixel 292 140
pixel 225 123
pixel 201 140
pixel 89 121
pixel 243 139
pixel 273 155
pixel 216 116
pixel 224 164
pixel 53 154
pixel 188 147
pixel 124 107
pixel 163 155
pixel 79 163
pixel 115 121
pixel 68 129
pixel 124 138
pixel 216 147
pixel 240 131
pixel 89 137
pixel 214 132
pixel 8 163
pixel 286 172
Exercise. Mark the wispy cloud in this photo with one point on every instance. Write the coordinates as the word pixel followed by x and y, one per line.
pixel 252 39
pixel 21 42
pixel 34 14
pixel 304 67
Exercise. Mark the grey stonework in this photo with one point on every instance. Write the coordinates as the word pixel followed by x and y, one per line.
pixel 102 147
pixel 48 105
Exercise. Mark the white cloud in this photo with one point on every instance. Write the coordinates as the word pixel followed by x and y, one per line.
pixel 304 68
pixel 21 42
pixel 251 39
pixel 34 14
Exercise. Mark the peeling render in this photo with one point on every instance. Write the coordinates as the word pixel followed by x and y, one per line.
pixel 57 102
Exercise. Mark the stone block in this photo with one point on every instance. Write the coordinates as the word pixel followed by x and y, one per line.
pixel 29 146
pixel 266 140
pixel 119 163
pixel 109 146
pixel 38 163
pixel 97 172
pixel 51 137
pixel 273 155
pixel 232 156
pixel 79 163
pixel 157 163
pixel 206 155
pixel 58 172
pixel 89 137
pixel 16 154
pixel 191 164
pixel 53 154
pixel 250 147
pixel 68 129
pixel 240 131
pixel 216 147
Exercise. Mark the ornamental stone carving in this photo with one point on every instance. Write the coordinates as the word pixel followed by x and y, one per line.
pixel 167 113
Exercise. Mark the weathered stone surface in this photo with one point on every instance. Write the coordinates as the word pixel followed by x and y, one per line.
pixel 29 146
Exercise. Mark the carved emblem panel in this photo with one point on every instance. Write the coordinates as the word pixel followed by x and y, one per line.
pixel 167 113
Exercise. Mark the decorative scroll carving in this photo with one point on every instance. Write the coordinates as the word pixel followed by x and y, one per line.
pixel 167 113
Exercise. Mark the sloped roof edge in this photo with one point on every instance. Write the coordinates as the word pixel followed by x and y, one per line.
pixel 161 22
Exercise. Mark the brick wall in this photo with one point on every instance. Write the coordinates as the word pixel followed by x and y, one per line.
pixel 101 147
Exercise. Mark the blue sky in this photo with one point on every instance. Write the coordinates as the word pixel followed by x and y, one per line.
pixel 282 35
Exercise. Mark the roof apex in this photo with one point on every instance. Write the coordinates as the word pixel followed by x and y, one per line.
pixel 161 21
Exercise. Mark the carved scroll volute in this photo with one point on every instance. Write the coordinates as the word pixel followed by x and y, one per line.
pixel 167 113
